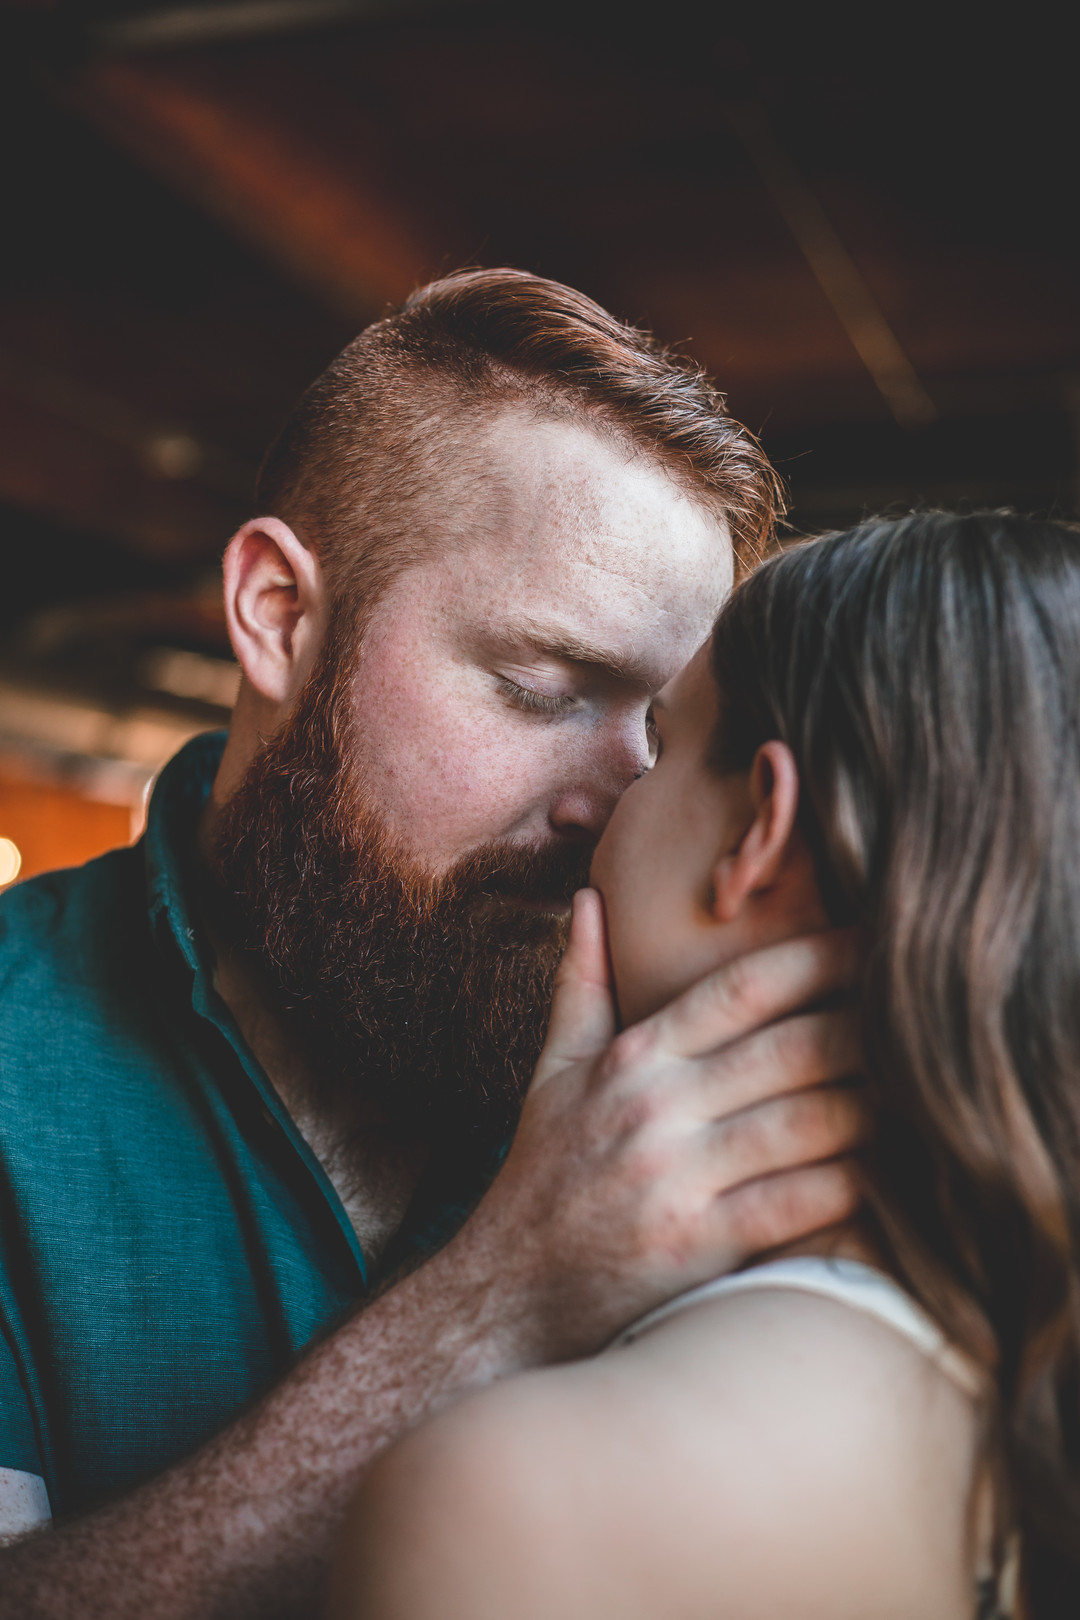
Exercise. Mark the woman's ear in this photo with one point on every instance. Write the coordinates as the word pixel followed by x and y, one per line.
pixel 757 858
pixel 275 602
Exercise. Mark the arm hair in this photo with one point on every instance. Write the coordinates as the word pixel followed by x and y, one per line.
pixel 766 1454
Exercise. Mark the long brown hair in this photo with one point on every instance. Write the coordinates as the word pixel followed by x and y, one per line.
pixel 925 673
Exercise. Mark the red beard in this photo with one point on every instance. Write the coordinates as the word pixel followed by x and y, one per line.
pixel 425 999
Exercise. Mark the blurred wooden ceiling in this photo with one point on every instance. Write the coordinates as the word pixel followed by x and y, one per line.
pixel 867 232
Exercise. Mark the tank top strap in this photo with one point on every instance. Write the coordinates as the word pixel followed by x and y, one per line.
pixel 850 1282
pixel 866 1289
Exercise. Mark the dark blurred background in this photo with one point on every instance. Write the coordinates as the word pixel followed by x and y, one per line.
pixel 863 223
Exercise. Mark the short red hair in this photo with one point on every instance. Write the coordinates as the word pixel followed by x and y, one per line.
pixel 378 431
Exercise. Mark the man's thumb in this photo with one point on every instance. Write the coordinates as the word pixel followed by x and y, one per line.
pixel 582 1009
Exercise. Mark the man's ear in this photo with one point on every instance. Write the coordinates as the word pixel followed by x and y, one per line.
pixel 275 602
pixel 757 858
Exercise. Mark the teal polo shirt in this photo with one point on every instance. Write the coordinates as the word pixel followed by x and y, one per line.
pixel 168 1241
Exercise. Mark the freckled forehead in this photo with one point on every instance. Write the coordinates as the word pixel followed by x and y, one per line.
pixel 558 499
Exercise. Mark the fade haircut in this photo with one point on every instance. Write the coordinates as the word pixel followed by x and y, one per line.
pixel 355 467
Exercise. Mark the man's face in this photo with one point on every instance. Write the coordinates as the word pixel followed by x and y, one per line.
pixel 505 680
pixel 405 848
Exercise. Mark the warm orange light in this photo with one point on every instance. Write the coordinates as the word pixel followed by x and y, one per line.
pixel 10 861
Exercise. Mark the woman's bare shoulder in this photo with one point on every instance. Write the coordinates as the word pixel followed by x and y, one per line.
pixel 763 1453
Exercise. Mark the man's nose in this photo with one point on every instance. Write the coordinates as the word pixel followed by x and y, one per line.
pixel 582 808
pixel 581 814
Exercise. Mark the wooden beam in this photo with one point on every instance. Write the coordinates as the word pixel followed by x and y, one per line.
pixel 833 268
pixel 244 150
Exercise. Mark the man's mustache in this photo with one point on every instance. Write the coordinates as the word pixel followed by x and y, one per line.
pixel 510 871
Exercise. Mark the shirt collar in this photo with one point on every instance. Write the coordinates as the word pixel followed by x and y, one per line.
pixel 176 804
pixel 171 852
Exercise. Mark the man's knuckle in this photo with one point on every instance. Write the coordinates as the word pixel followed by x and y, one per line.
pixel 771 1055
pixel 747 1138
pixel 747 1217
pixel 797 1047
pixel 737 988
pixel 635 1119
pixel 629 1050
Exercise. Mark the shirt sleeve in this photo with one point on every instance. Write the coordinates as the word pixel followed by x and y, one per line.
pixel 18 1441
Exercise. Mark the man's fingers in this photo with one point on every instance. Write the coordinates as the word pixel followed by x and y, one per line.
pixel 582 1009
pixel 757 989
pixel 805 1128
pixel 789 1056
pixel 775 1210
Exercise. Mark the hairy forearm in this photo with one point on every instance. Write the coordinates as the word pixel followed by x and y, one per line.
pixel 246 1525
pixel 640 1167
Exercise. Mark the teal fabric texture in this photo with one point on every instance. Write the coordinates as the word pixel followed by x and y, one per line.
pixel 168 1242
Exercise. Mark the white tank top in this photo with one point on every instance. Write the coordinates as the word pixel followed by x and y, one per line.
pixel 865 1289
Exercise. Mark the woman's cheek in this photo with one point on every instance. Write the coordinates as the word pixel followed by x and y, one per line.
pixel 641 945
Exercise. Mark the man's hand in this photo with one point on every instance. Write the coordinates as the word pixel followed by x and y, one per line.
pixel 649 1161
pixel 644 1163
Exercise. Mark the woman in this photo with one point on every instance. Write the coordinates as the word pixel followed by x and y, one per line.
pixel 884 731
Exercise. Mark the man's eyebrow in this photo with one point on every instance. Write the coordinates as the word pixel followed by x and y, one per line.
pixel 623 665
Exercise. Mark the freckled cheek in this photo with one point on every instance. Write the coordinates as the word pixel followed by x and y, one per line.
pixel 448 772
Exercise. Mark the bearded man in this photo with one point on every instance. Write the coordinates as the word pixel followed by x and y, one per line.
pixel 260 1072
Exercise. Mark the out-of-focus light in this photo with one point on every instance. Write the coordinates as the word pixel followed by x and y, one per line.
pixel 191 675
pixel 173 455
pixel 10 861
